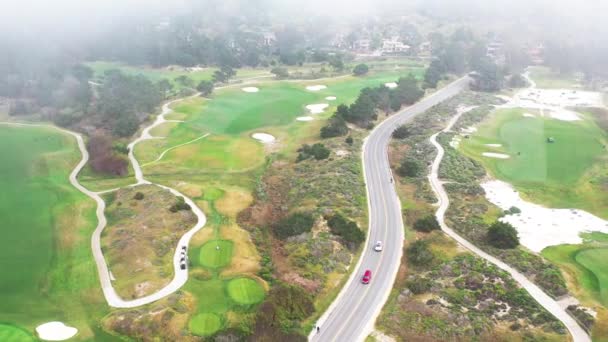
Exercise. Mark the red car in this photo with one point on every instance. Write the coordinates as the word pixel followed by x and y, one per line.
pixel 367 276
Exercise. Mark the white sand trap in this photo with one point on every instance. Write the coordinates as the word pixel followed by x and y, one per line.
pixel 538 226
pixel 316 87
pixel 528 115
pixel 494 145
pixel 496 155
pixel 330 98
pixel 469 130
pixel 265 138
pixel 342 153
pixel 391 85
pixel 250 89
pixel 55 331
pixel 564 115
pixel 317 108
pixel 305 118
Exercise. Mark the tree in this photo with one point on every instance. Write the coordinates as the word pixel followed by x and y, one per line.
pixel 488 77
pixel 165 87
pixel 102 158
pixel 337 63
pixel 318 151
pixel 336 127
pixel 517 81
pixel 427 224
pixel 280 72
pixel 295 224
pixel 410 168
pixel 402 132
pixel 419 254
pixel 433 74
pixel 503 235
pixel 346 229
pixel 205 88
pixel 126 125
pixel 360 69
pixel 185 81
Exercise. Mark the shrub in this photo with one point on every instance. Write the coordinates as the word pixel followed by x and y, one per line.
pixel 139 196
pixel 346 229
pixel 419 254
pixel 349 140
pixel 280 72
pixel 410 168
pixel 179 205
pixel 419 285
pixel 294 224
pixel 318 151
pixel 336 127
pixel 517 81
pixel 102 158
pixel 427 224
pixel 360 69
pixel 205 88
pixel 502 235
pixel 402 132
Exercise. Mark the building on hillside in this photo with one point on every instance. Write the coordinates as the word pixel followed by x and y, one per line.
pixel 362 45
pixel 269 38
pixel 536 54
pixel 394 45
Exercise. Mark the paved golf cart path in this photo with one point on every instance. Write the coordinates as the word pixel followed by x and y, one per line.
pixel 578 334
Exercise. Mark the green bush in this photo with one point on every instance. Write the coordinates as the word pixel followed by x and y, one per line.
pixel 419 254
pixel 317 151
pixel 346 229
pixel 419 285
pixel 410 168
pixel 360 69
pixel 503 235
pixel 139 196
pixel 427 224
pixel 179 205
pixel 294 224
pixel 402 132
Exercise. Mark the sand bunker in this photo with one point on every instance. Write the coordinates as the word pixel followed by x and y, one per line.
pixel 528 115
pixel 391 85
pixel 496 155
pixel 538 226
pixel 330 98
pixel 55 331
pixel 317 108
pixel 564 115
pixel 455 142
pixel 316 87
pixel 469 130
pixel 250 89
pixel 305 118
pixel 494 145
pixel 263 137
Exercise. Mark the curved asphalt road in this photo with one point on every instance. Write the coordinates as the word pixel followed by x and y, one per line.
pixel 352 315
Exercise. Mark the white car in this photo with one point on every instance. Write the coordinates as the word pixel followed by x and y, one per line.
pixel 378 246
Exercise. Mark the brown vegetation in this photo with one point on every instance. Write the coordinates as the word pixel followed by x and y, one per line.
pixel 103 159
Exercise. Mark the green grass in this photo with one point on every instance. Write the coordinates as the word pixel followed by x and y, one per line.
pixel 210 294
pixel 557 174
pixel 10 333
pixel 46 226
pixel 205 324
pixel 212 257
pixel 595 261
pixel 245 291
pixel 545 78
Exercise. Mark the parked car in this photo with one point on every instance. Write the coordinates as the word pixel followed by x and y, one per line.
pixel 182 265
pixel 367 277
pixel 378 246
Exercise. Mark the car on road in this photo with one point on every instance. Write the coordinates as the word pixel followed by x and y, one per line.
pixel 367 277
pixel 378 246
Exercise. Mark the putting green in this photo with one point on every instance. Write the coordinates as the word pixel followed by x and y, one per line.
pixel 552 173
pixel 205 324
pixel 216 253
pixel 10 333
pixel 595 261
pixel 245 291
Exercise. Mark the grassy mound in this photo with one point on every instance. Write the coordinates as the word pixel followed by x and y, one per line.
pixel 558 174
pixel 12 333
pixel 595 261
pixel 245 291
pixel 213 257
pixel 205 324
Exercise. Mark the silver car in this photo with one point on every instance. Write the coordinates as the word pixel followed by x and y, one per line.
pixel 378 246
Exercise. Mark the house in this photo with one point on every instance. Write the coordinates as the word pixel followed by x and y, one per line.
pixel 394 45
pixel 362 45
pixel 269 39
